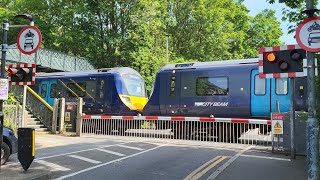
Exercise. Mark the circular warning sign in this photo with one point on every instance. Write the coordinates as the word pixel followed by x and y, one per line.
pixel 29 39
pixel 308 34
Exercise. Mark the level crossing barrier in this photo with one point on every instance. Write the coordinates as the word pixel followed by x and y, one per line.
pixel 228 130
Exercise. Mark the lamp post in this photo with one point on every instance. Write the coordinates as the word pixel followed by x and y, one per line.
pixel 5 29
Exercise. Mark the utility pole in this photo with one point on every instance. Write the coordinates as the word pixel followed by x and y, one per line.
pixel 5 28
pixel 312 122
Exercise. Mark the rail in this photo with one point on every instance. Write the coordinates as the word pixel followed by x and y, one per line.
pixel 35 104
pixel 228 130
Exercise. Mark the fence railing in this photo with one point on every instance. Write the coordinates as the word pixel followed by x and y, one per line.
pixel 228 130
pixel 50 59
pixel 35 104
pixel 12 115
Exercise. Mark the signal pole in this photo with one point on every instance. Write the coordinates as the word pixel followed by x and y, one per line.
pixel 5 28
pixel 312 123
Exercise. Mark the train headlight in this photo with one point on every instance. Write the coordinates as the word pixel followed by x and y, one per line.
pixel 126 99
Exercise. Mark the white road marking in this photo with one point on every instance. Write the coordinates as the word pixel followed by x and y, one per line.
pixel 265 157
pixel 55 167
pixel 110 162
pixel 130 147
pixel 63 154
pixel 85 159
pixel 226 164
pixel 111 152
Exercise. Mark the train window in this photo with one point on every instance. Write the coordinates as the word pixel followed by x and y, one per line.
pixel 78 88
pixel 53 90
pixel 91 89
pixel 210 86
pixel 259 85
pixel 43 90
pixel 173 86
pixel 101 89
pixel 282 86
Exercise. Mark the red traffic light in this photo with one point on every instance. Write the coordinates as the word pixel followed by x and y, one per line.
pixel 13 71
pixel 271 57
pixel 16 72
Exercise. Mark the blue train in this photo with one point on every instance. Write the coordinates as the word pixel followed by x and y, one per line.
pixel 230 89
pixel 115 91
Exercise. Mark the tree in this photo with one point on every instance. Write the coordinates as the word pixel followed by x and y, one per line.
pixel 294 12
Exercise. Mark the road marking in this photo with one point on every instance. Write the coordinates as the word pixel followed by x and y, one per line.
pixel 265 157
pixel 226 164
pixel 130 147
pixel 85 159
pixel 55 167
pixel 80 151
pixel 213 162
pixel 111 152
pixel 200 174
pixel 63 154
pixel 110 162
pixel 201 167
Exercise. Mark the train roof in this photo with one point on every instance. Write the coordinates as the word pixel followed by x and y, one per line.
pixel 194 65
pixel 117 70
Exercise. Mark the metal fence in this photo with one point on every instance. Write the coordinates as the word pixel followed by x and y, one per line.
pixel 228 130
pixel 35 104
pixel 12 115
pixel 50 59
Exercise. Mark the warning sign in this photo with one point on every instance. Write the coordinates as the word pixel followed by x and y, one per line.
pixel 277 123
pixel 67 116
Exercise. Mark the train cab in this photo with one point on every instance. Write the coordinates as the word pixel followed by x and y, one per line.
pixel 116 91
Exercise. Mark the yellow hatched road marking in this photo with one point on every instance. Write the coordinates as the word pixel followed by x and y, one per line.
pixel 213 163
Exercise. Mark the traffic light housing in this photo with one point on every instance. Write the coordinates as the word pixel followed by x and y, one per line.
pixel 21 74
pixel 283 61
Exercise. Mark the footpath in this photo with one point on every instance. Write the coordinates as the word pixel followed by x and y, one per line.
pixel 14 171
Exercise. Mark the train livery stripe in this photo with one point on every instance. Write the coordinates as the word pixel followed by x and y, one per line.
pixel 181 118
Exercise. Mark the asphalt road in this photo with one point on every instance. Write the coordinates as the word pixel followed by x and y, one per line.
pixel 151 159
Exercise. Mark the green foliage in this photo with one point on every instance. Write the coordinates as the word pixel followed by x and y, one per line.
pixel 133 33
pixel 293 13
pixel 7 111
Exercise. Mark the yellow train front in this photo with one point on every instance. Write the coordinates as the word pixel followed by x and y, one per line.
pixel 116 91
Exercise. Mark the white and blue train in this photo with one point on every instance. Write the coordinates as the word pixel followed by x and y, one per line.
pixel 115 91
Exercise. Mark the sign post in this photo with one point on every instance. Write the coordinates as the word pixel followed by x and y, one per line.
pixel 36 41
pixel 5 29
pixel 308 35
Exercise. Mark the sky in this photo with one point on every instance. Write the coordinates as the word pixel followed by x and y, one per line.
pixel 256 6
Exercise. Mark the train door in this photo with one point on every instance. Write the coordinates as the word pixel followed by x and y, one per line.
pixel 260 95
pixel 171 94
pixel 280 92
pixel 48 90
pixel 266 92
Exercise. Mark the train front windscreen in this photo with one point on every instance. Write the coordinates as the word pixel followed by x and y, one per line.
pixel 133 92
